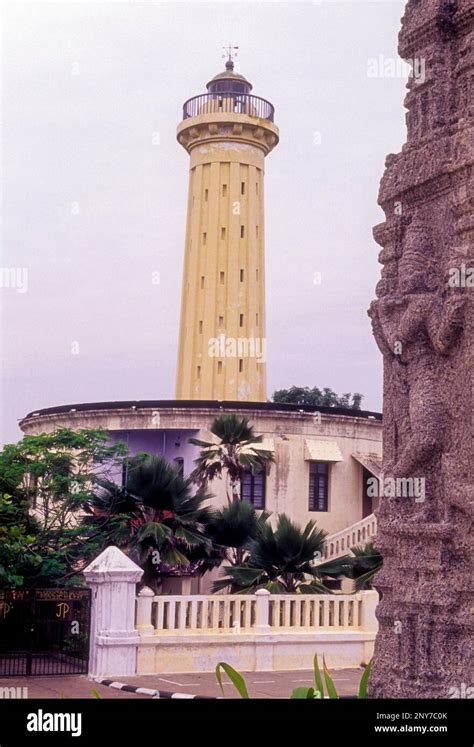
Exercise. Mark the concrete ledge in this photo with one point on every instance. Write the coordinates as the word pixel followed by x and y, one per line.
pixel 252 652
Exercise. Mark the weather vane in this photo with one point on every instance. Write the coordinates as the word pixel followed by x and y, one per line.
pixel 230 52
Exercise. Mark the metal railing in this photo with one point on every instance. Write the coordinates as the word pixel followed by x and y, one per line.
pixel 229 103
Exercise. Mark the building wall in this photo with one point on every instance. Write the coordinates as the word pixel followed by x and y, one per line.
pixel 166 431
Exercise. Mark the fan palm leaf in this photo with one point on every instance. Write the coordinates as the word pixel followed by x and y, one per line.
pixel 361 566
pixel 281 557
pixel 234 452
pixel 156 510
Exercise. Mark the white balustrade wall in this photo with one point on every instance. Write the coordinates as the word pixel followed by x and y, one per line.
pixel 220 612
pixel 254 632
pixel 231 613
pixel 152 634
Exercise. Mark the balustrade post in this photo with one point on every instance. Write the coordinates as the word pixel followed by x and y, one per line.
pixel 144 608
pixel 263 630
pixel 262 624
pixel 368 622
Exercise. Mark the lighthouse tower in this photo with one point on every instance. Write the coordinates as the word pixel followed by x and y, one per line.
pixel 222 346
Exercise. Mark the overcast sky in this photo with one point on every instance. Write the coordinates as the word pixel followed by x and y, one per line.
pixel 94 189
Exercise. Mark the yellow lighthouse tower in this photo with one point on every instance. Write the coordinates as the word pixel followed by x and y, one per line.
pixel 222 346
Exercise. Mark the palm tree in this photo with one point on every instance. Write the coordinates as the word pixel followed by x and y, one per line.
pixel 280 560
pixel 155 517
pixel 361 567
pixel 234 453
pixel 232 528
pixel 366 563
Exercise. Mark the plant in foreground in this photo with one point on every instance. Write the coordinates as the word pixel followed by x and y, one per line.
pixel 299 693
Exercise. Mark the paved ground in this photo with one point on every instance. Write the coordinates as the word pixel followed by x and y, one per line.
pixel 259 684
pixel 67 686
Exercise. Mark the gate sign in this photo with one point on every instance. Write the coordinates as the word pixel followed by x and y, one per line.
pixel 62 609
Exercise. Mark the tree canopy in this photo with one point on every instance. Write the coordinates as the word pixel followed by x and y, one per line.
pixel 304 395
pixel 46 482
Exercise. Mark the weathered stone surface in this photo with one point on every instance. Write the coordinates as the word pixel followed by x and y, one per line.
pixel 424 326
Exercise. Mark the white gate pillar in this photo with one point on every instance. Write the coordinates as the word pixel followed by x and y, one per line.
pixel 112 577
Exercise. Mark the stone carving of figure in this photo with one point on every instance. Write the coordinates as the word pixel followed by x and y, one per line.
pixel 414 324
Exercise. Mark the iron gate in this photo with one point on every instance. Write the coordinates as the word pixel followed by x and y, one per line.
pixel 44 631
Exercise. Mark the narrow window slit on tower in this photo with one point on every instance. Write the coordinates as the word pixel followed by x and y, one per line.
pixel 202 281
pixel 242 232
pixel 221 321
pixel 241 365
pixel 219 367
pixel 200 327
pixel 241 320
pixel 222 277
pixel 206 195
pixel 224 190
pixel 256 318
pixel 204 238
pixel 256 187
pixel 199 372
pixel 222 233
pixel 241 276
pixel 242 188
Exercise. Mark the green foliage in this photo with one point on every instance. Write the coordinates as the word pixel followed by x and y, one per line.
pixel 365 565
pixel 234 452
pixel 330 687
pixel 18 558
pixel 365 681
pixel 157 519
pixel 279 560
pixel 361 567
pixel 95 694
pixel 46 481
pixel 304 693
pixel 236 679
pixel 232 528
pixel 299 693
pixel 317 677
pixel 304 395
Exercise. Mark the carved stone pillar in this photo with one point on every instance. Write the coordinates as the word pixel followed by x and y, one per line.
pixel 423 321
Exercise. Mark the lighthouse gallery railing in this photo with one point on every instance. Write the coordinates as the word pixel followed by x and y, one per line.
pixel 235 103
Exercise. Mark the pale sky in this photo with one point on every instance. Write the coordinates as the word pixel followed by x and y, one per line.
pixel 93 205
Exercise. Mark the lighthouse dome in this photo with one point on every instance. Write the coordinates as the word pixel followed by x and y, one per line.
pixel 229 82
